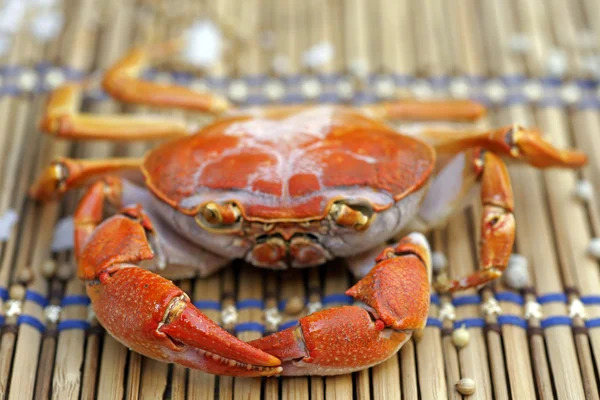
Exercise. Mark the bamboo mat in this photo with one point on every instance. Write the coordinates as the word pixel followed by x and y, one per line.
pixel 534 62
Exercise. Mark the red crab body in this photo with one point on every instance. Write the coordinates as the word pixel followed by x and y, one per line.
pixel 291 165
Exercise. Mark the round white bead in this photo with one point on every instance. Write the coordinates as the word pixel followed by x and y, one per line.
pixel 439 262
pixel 516 275
pixel 460 337
pixel 594 247
pixel 584 190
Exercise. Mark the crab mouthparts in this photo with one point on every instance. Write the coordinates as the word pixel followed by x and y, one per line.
pixel 273 251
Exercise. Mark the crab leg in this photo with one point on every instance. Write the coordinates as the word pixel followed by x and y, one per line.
pixel 65 174
pixel 513 141
pixel 497 223
pixel 123 82
pixel 63 120
pixel 350 338
pixel 143 310
pixel 447 110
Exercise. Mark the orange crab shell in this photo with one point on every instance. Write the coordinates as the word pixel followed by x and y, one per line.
pixel 289 165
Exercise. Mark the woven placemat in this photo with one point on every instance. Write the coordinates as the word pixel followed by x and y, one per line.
pixel 534 62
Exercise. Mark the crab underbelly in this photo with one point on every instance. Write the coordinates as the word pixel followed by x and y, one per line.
pixel 295 243
pixel 449 192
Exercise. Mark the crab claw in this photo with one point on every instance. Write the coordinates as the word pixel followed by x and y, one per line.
pixel 350 338
pixel 529 145
pixel 152 316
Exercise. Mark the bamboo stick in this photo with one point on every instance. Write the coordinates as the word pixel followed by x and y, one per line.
pixel 23 375
pixel 473 357
pixel 153 381
pixel 13 147
pixel 336 281
pixel 202 385
pixel 228 300
pixel 293 295
pixel 317 383
pixel 177 380
pixel 250 289
pixel 271 386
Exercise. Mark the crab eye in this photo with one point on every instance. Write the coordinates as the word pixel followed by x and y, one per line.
pixel 351 216
pixel 215 215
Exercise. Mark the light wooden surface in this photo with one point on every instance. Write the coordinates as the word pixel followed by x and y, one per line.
pixel 372 41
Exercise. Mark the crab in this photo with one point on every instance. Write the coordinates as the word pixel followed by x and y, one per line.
pixel 279 187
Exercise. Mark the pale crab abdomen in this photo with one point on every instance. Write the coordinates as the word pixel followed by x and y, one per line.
pixel 287 169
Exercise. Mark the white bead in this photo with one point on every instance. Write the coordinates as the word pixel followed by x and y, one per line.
pixel 7 221
pixel 461 337
pixel 533 309
pixel 52 313
pixel 318 55
pixel 439 262
pixel 491 307
pixel 63 236
pixel 229 315
pixel 584 190
pixel 557 62
pixel 594 247
pixel 311 88
pixel 12 15
pixel 238 90
pixel 13 308
pixel 447 312
pixel 91 315
pixel 496 90
pixel 27 80
pixel 274 90
pixel 203 44
pixel 272 318
pixel 313 306
pixel 422 89
pixel 47 25
pixel 345 89
pixel 460 88
pixel 466 386
pixel 55 77
pixel 577 309
pixel 533 90
pixel 384 87
pixel 570 93
pixel 517 272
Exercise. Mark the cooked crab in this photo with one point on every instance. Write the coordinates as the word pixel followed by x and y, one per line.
pixel 280 187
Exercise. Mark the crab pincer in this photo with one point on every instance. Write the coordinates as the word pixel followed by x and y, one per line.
pixel 345 339
pixel 151 315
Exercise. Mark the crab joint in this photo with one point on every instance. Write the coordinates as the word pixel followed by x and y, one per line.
pixel 51 181
pixel 217 214
pixel 345 215
pixel 175 308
